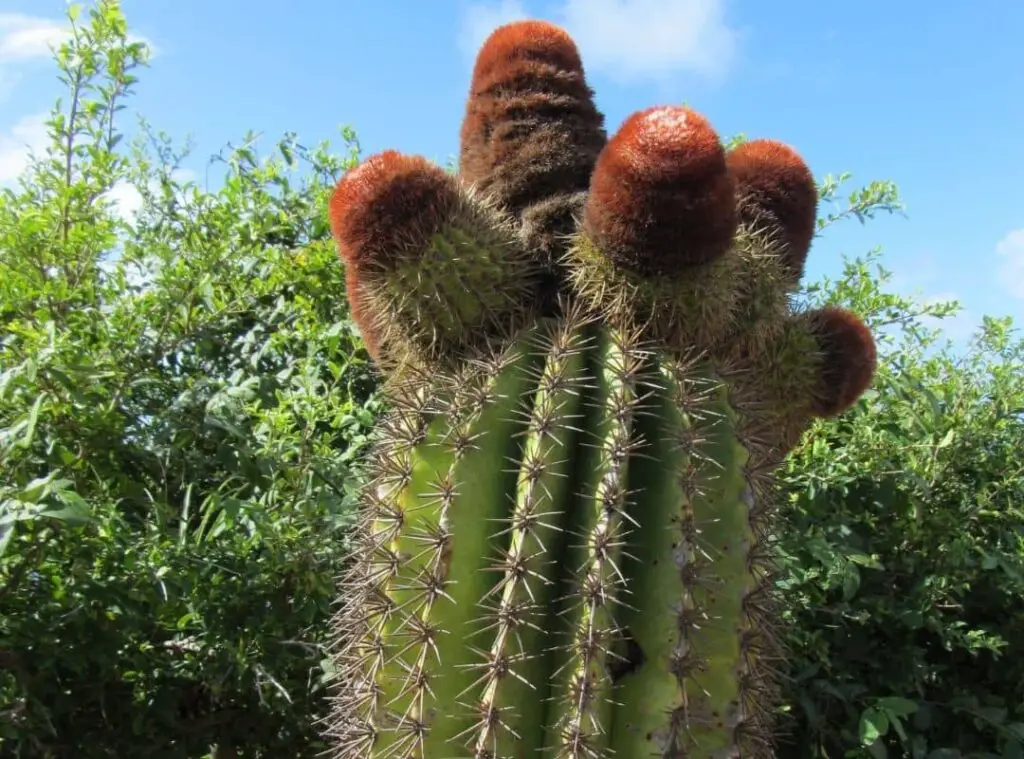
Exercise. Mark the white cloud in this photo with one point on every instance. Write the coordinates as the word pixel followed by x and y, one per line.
pixel 26 136
pixel 919 276
pixel 627 39
pixel 480 19
pixel 30 135
pixel 25 38
pixel 127 200
pixel 633 39
pixel 1011 250
pixel 910 273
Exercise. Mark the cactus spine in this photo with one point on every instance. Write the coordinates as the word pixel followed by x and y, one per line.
pixel 562 550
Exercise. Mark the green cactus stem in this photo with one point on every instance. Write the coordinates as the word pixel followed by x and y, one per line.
pixel 563 544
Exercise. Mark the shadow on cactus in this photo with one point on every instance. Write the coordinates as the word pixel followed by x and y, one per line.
pixel 593 367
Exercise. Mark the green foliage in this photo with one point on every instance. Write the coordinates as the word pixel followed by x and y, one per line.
pixel 903 547
pixel 183 399
pixel 181 402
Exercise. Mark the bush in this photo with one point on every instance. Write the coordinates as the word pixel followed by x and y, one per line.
pixel 903 548
pixel 183 401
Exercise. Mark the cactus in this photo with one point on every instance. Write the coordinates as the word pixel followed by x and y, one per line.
pixel 593 365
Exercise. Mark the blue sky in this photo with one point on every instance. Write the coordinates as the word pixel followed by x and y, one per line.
pixel 925 94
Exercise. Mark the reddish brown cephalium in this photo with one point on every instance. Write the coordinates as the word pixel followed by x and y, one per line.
pixel 520 43
pixel 389 204
pixel 661 197
pixel 776 188
pixel 531 132
pixel 848 363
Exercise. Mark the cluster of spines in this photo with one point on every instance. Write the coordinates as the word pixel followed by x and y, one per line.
pixel 716 538
pixel 365 607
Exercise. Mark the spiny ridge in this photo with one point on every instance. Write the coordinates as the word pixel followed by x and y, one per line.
pixel 391 653
pixel 713 559
pixel 512 700
pixel 585 694
pixel 366 606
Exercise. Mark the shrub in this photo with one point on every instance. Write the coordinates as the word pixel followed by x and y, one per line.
pixel 181 400
pixel 903 548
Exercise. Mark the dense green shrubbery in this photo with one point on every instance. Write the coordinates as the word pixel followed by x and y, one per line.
pixel 183 399
pixel 903 549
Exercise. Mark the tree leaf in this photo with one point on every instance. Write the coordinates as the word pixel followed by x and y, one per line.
pixel 873 725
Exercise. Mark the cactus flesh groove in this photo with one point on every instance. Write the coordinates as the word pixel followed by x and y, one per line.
pixel 593 366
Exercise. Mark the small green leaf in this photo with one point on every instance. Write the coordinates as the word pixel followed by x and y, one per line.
pixel 67 514
pixel 878 750
pixel 901 707
pixel 851 581
pixel 30 428
pixel 897 725
pixel 873 725
pixel 6 532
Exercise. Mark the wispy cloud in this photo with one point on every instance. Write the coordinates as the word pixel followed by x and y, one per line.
pixel 25 38
pixel 26 136
pixel 635 39
pixel 29 135
pixel 627 40
pixel 1011 252
pixel 919 276
pixel 481 18
pixel 126 199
